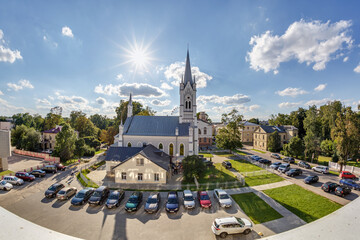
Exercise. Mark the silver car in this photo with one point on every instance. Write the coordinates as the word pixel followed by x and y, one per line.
pixel 223 198
pixel 13 180
pixel 153 203
pixel 5 185
pixel 189 202
pixel 66 193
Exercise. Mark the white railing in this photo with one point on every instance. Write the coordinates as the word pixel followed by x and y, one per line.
pixel 351 169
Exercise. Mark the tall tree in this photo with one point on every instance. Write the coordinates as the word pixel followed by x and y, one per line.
pixel 254 120
pixel 80 148
pixel 193 166
pixel 65 142
pixel 23 137
pixel 51 120
pixel 274 143
pixel 229 137
pixel 100 121
pixel 74 115
pixel 17 135
pixel 327 147
pixel 295 147
pixel 312 126
pixel 297 120
pixel 328 114
pixel 85 127
pixel 121 111
pixel 280 119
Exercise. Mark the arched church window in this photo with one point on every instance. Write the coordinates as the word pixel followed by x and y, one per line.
pixel 199 131
pixel 129 144
pixel 205 130
pixel 161 146
pixel 189 104
pixel 186 105
pixel 171 149
pixel 181 149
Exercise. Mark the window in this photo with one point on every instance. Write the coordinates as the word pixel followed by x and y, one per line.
pixel 123 176
pixel 161 146
pixel 156 177
pixel 129 144
pixel 139 162
pixel 199 131
pixel 247 128
pixel 171 149
pixel 140 176
pixel 199 140
pixel 181 149
pixel 205 130
pixel 284 137
pixel 263 137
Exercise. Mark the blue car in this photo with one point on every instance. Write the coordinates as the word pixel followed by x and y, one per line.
pixel 172 204
pixel 256 158
pixel 350 183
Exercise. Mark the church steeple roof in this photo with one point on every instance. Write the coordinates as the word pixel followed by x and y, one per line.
pixel 187 75
pixel 130 99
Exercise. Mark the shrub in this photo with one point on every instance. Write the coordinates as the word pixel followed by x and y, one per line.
pixel 89 151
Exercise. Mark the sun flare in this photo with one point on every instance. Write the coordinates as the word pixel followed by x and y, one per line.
pixel 138 55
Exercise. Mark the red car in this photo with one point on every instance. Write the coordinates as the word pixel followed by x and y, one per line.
pixel 204 199
pixel 347 174
pixel 25 176
pixel 59 166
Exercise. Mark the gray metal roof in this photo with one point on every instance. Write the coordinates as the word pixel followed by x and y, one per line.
pixel 271 129
pixel 187 75
pixel 155 126
pixel 246 123
pixel 122 154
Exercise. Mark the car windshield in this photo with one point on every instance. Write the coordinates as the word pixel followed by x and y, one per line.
pixel 188 198
pixel 80 195
pixel 151 200
pixel 97 194
pixel 114 196
pixel 52 188
pixel 133 199
pixel 240 221
pixel 224 196
pixel 204 197
pixel 172 200
pixel 15 178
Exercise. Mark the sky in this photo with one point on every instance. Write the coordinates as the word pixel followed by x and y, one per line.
pixel 259 57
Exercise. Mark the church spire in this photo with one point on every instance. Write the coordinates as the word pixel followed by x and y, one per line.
pixel 130 107
pixel 187 77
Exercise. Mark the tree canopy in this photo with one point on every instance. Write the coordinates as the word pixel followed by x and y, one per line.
pixel 193 166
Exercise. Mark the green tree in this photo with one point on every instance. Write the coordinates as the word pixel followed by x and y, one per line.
pixel 295 147
pixel 297 120
pixel 312 126
pixel 280 119
pixel 85 127
pixel 254 120
pixel 65 142
pixel 31 140
pixel 328 114
pixel 274 143
pixel 23 119
pixel 38 122
pixel 100 121
pixel 121 111
pixel 229 137
pixel 193 166
pixel 80 147
pixel 51 120
pixel 327 147
pixel 74 115
pixel 17 135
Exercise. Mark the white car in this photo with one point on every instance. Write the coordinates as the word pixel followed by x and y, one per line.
pixel 13 180
pixel 5 185
pixel 189 202
pixel 321 169
pixel 223 198
pixel 231 225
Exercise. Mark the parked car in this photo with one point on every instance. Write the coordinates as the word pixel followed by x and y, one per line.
pixel 204 199
pixel 329 186
pixel 66 193
pixel 342 190
pixel 48 151
pixel 50 169
pixel 347 175
pixel 231 225
pixel 294 172
pixel 284 167
pixel 321 169
pixel 82 196
pixel 275 165
pixel 152 204
pixel 289 159
pixel 223 198
pixel 255 158
pixel 311 179
pixel 5 185
pixel 264 161
pixel 13 180
pixel 53 190
pixel 188 198
pixel 207 163
pixel 60 167
pixel 114 199
pixel 275 155
pixel 304 165
pixel 99 196
pixel 134 201
pixel 227 164
pixel 350 183
pixel 25 176
pixel 172 203
pixel 38 173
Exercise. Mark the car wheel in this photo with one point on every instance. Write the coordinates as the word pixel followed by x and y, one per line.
pixel 247 231
pixel 223 234
pixel 82 202
pixel 18 184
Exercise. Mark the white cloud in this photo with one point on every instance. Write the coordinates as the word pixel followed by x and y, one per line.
pixel 49 41
pixel 8 109
pixel 124 90
pixel 176 70
pixel 345 59
pixel 100 101
pixel 160 103
pixel 23 83
pixel 73 100
pixel 6 54
pixel 1 93
pixel 166 86
pixel 119 76
pixel 320 87
pixel 43 101
pixel 318 102
pixel 310 42
pixel 357 69
pixel 228 100
pixel 66 31
pixel 289 104
pixel 254 107
pixel 51 97
pixel 293 92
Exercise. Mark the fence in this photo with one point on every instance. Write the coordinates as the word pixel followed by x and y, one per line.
pixel 351 169
pixel 44 156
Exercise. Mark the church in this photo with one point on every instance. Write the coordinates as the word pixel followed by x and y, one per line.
pixel 171 137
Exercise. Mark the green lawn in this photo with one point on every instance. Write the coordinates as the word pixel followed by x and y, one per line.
pixel 322 160
pixel 262 179
pixel 100 151
pixel 217 174
pixel 303 203
pixel 207 155
pixel 256 208
pixel 334 172
pixel 223 154
pixel 90 183
pixel 4 173
pixel 241 152
pixel 353 163
pixel 244 166
pixel 70 161
pixel 258 150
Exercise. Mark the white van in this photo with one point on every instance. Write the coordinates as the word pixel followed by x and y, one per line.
pixel 13 180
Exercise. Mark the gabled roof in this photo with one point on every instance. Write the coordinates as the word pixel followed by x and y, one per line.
pixel 246 123
pixel 53 130
pixel 155 126
pixel 122 154
pixel 271 129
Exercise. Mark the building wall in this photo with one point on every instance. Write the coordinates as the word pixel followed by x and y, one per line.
pixel 261 138
pixel 6 125
pixel 247 133
pixel 132 170
pixel 50 144
pixel 5 149
pixel 205 134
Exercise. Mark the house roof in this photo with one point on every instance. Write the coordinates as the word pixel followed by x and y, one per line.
pixel 246 123
pixel 155 126
pixel 53 130
pixel 122 154
pixel 271 129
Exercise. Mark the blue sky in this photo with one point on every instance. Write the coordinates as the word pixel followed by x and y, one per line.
pixel 261 57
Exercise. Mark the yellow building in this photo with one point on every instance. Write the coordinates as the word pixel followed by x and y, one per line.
pixel 48 140
pixel 247 131
pixel 262 133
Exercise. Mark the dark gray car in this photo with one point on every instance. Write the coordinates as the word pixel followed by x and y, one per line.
pixel 153 203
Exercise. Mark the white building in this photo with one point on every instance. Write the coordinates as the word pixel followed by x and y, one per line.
pixel 5 149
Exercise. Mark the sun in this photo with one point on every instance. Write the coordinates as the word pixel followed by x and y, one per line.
pixel 138 55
